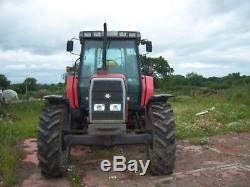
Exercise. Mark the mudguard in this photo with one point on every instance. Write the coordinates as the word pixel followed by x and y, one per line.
pixel 61 100
pixel 56 99
pixel 159 98
pixel 147 84
pixel 72 91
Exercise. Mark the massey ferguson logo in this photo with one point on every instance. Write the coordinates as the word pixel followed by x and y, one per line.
pixel 107 96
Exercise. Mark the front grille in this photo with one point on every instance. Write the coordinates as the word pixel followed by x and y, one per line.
pixel 107 91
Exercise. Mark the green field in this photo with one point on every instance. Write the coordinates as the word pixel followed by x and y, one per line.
pixel 17 122
pixel 229 112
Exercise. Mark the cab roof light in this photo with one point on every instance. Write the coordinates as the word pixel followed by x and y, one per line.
pixel 97 34
pixel 115 34
pixel 86 34
pixel 112 33
pixel 132 34
pixel 123 34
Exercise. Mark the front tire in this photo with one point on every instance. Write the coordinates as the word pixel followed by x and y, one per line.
pixel 163 148
pixel 52 155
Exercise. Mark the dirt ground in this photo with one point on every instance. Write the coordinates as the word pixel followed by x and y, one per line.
pixel 224 161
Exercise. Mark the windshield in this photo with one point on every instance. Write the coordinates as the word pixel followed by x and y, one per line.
pixel 121 58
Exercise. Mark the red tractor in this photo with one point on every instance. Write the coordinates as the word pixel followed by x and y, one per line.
pixel 109 101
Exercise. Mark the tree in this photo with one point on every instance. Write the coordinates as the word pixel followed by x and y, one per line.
pixel 195 79
pixel 161 68
pixel 233 76
pixel 30 84
pixel 4 83
pixel 19 88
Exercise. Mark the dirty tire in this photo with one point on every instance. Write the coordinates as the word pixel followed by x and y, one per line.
pixel 52 158
pixel 162 150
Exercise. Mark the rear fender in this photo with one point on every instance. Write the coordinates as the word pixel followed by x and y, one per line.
pixel 72 91
pixel 159 98
pixel 56 99
pixel 147 84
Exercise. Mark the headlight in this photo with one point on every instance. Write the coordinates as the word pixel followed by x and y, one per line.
pixel 115 107
pixel 99 107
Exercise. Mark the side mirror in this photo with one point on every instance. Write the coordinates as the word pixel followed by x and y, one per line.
pixel 149 46
pixel 70 45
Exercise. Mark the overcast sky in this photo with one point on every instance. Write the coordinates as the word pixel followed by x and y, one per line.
pixel 210 37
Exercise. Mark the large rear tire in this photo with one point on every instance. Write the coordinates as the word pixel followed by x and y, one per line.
pixel 163 148
pixel 52 155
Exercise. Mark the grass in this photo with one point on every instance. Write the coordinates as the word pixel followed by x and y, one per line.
pixel 101 152
pixel 231 113
pixel 17 121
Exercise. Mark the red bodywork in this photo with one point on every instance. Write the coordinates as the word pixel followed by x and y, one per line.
pixel 147 90
pixel 72 91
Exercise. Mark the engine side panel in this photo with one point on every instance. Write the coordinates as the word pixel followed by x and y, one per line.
pixel 71 91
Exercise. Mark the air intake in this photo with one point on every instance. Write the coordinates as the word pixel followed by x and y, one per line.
pixel 107 100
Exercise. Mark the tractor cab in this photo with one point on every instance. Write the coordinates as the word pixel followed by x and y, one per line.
pixel 110 52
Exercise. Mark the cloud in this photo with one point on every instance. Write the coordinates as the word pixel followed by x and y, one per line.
pixel 210 37
pixel 46 68
pixel 198 65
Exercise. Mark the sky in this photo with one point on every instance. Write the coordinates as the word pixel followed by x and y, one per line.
pixel 209 37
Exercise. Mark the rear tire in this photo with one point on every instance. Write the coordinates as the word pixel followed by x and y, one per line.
pixel 52 155
pixel 163 148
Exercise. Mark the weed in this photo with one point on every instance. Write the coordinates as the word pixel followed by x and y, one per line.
pixel 112 181
pixel 199 141
pixel 158 184
pixel 103 152
pixel 74 177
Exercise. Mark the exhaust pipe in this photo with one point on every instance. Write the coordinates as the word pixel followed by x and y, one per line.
pixel 104 49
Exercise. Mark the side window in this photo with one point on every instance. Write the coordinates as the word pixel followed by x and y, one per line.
pixel 131 65
pixel 92 58
pixel 131 52
pixel 89 59
pixel 99 58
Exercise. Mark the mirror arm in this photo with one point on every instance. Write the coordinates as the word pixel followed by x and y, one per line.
pixel 144 41
pixel 74 53
pixel 75 39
